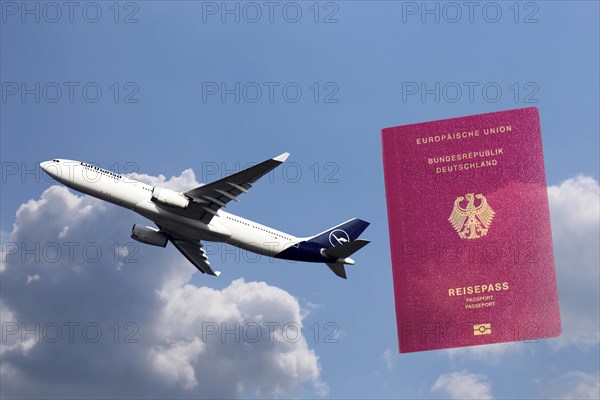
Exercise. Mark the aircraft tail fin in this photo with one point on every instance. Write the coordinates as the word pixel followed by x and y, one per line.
pixel 340 242
pixel 340 234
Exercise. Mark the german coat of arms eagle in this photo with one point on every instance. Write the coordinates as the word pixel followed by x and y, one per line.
pixel 471 222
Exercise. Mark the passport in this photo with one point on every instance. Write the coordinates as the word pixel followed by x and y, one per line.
pixel 470 235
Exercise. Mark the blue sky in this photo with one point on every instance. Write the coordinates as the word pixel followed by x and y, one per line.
pixel 320 88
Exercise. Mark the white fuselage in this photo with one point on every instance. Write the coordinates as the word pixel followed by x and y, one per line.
pixel 132 194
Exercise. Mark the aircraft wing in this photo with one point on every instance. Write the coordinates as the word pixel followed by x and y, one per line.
pixel 211 197
pixel 195 254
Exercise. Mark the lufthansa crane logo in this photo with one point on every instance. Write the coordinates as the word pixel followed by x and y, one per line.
pixel 338 237
pixel 471 222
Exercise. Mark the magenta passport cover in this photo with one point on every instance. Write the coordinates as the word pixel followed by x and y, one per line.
pixel 470 234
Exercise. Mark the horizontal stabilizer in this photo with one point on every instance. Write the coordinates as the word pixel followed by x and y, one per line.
pixel 346 249
pixel 338 269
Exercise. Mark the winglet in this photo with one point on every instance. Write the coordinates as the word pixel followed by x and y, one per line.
pixel 217 273
pixel 282 157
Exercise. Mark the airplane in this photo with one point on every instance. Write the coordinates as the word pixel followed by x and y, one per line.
pixel 187 218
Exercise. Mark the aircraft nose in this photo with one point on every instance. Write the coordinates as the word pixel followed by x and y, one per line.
pixel 50 167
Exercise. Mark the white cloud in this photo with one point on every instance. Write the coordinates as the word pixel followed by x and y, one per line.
pixel 575 215
pixel 248 330
pixel 185 181
pixel 149 314
pixel 576 385
pixel 388 357
pixel 463 385
pixel 63 232
pixel 490 353
pixel 11 340
pixel 175 362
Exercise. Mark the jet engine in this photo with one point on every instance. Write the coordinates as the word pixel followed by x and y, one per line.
pixel 148 235
pixel 168 197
